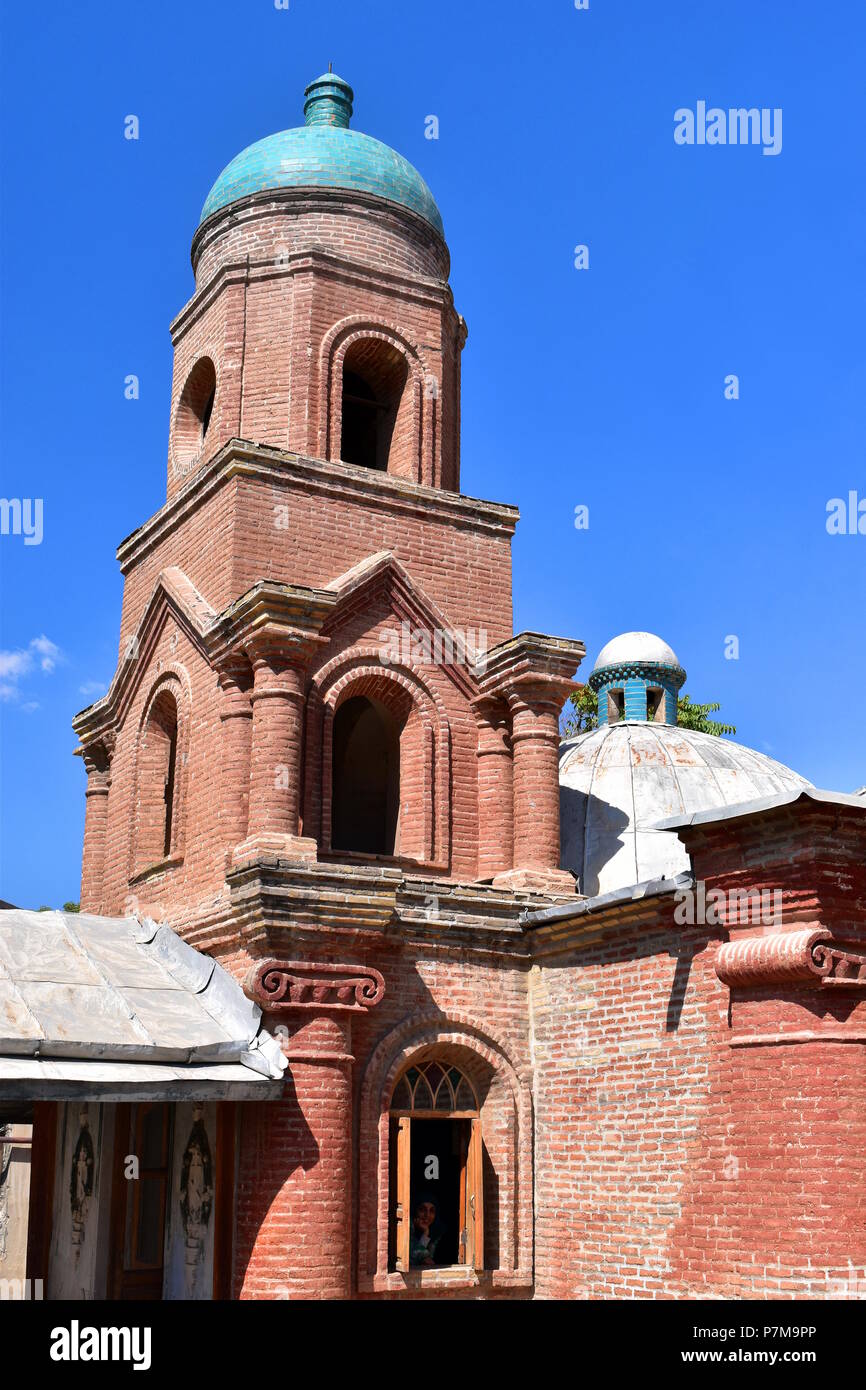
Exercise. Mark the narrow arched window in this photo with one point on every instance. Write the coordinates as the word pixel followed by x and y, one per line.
pixel 373 392
pixel 436 1154
pixel 158 783
pixel 194 413
pixel 168 794
pixel 366 778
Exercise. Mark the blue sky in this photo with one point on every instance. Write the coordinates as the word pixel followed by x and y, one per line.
pixel 602 387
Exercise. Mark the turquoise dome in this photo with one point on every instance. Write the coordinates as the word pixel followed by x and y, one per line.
pixel 324 153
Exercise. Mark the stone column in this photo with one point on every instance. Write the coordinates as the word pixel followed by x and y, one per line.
pixel 535 750
pixel 236 716
pixel 296 1238
pixel 495 789
pixel 97 761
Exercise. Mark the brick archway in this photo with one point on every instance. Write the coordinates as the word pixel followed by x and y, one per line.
pixel 507 1105
pixel 425 751
pixel 419 406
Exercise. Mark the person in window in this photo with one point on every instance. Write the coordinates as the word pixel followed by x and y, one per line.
pixel 425 1234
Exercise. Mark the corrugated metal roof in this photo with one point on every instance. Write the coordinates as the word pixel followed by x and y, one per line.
pixel 94 990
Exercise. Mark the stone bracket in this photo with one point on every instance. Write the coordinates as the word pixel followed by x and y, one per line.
pixel 807 957
pixel 278 986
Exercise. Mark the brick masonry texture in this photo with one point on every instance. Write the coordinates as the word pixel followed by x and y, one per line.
pixel 648 1130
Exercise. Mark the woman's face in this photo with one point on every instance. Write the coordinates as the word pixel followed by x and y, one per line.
pixel 425 1215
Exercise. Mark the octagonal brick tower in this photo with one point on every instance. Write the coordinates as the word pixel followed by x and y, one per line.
pixel 313 519
pixel 320 253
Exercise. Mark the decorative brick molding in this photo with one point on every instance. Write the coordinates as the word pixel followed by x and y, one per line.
pixel 278 986
pixel 807 957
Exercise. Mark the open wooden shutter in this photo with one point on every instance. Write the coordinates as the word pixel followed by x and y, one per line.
pixel 403 1210
pixel 474 1210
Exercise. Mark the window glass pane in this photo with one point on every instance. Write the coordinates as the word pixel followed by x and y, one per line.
pixel 444 1098
pixel 423 1095
pixel 465 1096
pixel 433 1074
pixel 401 1099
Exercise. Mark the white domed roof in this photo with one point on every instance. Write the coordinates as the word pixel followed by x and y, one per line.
pixel 631 647
pixel 619 780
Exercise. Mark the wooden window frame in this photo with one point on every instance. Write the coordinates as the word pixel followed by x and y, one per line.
pixel 471 1190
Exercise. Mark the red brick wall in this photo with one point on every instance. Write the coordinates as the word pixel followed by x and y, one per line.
pixel 672 1161
pixel 269 316
pixel 312 1175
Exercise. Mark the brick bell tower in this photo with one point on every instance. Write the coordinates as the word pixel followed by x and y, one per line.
pixel 319 707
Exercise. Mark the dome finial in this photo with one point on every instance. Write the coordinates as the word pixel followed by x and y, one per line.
pixel 328 101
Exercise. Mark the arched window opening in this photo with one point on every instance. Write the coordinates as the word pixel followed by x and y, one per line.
pixel 366 778
pixel 158 783
pixel 194 411
pixel 373 390
pixel 436 1170
pixel 207 412
pixel 168 794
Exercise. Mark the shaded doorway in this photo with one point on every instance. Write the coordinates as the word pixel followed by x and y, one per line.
pixel 139 1205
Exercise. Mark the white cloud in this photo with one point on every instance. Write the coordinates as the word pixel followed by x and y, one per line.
pixel 14 665
pixel 93 688
pixel 49 653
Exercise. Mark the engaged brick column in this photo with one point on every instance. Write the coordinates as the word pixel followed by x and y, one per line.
pixel 275 757
pixel 236 715
pixel 533 674
pixel 97 761
pixel 295 1193
pixel 495 789
pixel 535 751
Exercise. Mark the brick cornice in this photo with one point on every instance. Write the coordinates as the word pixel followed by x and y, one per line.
pixel 272 201
pixel 340 481
pixel 274 616
pixel 536 666
pixel 407 288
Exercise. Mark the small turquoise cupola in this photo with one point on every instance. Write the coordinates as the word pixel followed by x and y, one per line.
pixel 637 677
pixel 324 153
pixel 328 101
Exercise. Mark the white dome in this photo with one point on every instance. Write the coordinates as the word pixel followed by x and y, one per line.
pixel 619 780
pixel 631 647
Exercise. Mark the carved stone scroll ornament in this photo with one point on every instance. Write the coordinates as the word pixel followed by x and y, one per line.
pixel 279 985
pixel 795 957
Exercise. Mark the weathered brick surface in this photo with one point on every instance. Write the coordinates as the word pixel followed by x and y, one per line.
pixel 649 1131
